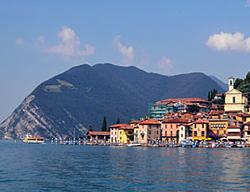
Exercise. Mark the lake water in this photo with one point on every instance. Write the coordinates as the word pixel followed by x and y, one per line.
pixel 26 167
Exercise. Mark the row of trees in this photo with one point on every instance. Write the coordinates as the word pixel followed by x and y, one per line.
pixel 104 124
pixel 211 94
pixel 243 85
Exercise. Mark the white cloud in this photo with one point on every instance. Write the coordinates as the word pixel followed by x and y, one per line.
pixel 165 64
pixel 229 42
pixel 247 3
pixel 128 53
pixel 20 41
pixel 70 44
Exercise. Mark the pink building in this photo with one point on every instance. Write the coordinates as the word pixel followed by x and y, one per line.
pixel 170 128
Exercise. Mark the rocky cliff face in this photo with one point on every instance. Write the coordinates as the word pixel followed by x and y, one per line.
pixel 28 118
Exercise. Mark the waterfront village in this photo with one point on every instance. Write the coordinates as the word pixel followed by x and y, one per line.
pixel 170 123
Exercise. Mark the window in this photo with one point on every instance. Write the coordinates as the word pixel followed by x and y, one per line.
pixel 202 125
pixel 181 135
pixel 182 128
pixel 231 82
pixel 120 138
pixel 166 126
pixel 120 132
pixel 149 131
pixel 195 133
pixel 165 133
pixel 233 99
pixel 203 133
pixel 171 133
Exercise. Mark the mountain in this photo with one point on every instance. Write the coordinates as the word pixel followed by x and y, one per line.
pixel 68 103
pixel 221 83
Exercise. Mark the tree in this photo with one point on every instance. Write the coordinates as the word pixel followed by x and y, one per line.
pixel 237 83
pixel 118 121
pixel 194 108
pixel 91 128
pixel 104 124
pixel 209 96
pixel 248 77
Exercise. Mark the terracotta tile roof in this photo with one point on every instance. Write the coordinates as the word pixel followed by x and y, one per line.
pixel 214 107
pixel 197 116
pixel 233 127
pixel 98 133
pixel 247 123
pixel 219 95
pixel 187 101
pixel 200 122
pixel 150 122
pixel 126 127
pixel 176 120
pixel 117 125
pixel 134 122
pixel 216 113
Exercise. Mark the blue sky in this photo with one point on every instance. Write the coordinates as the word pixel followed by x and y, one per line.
pixel 40 39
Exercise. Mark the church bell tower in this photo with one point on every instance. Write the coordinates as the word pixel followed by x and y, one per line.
pixel 230 83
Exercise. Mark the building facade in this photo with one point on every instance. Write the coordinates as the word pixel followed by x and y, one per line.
pixel 200 130
pixel 149 131
pixel 235 101
pixel 170 128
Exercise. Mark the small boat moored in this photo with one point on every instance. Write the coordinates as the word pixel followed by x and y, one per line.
pixel 133 145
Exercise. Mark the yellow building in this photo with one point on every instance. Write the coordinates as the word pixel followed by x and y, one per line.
pixel 235 101
pixel 125 134
pixel 219 127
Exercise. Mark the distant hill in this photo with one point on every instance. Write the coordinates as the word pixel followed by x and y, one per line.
pixel 221 83
pixel 67 104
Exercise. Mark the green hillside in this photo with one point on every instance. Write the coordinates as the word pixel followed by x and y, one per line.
pixel 83 95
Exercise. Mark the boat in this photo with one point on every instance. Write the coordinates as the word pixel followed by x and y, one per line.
pixel 133 145
pixel 33 140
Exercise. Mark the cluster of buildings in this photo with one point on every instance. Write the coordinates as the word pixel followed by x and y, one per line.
pixel 173 121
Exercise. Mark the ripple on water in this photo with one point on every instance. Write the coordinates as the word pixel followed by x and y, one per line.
pixel 97 168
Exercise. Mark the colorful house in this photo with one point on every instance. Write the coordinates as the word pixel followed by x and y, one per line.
pixel 149 131
pixel 114 132
pixel 135 124
pixel 170 128
pixel 219 127
pixel 200 130
pixel 234 133
pixel 246 131
pixel 125 134
pixel 98 136
pixel 185 132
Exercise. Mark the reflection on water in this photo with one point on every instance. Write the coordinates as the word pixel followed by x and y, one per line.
pixel 89 168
